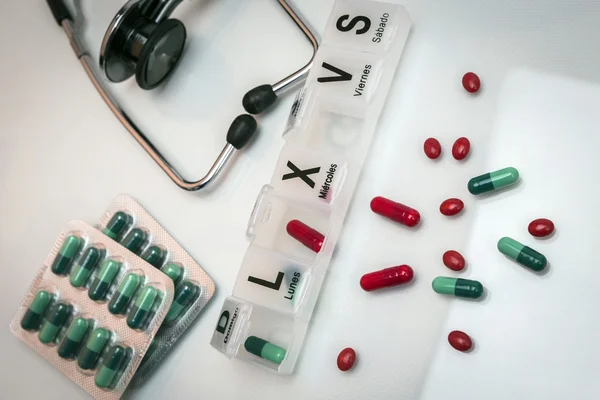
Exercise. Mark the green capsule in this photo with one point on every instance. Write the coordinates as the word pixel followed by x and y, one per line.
pixel 457 287
pixel 74 337
pixel 85 266
pixel 184 295
pixel 66 254
pixel 265 350
pixel 112 364
pixel 493 180
pixel 134 241
pixel 526 256
pixel 118 224
pixel 173 271
pixel 154 255
pixel 120 300
pixel 33 316
pixel 93 348
pixel 103 280
pixel 58 316
pixel 142 307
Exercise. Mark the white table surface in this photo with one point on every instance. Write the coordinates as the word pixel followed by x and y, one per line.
pixel 64 156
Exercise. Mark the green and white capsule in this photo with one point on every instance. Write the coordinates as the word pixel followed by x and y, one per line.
pixel 184 295
pixel 66 254
pixel 120 300
pixel 93 348
pixel 493 180
pixel 135 240
pixel 154 255
pixel 73 339
pixel 113 363
pixel 457 287
pixel 84 268
pixel 265 350
pixel 56 319
pixel 526 256
pixel 173 271
pixel 103 280
pixel 118 225
pixel 33 316
pixel 142 307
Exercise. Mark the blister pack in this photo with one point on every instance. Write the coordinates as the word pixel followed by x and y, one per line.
pixel 128 223
pixel 93 310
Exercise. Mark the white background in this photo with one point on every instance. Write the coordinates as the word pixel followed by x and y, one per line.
pixel 64 156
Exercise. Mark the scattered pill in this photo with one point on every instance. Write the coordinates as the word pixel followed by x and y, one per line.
pixel 493 180
pixel 99 287
pixel 93 348
pixel 184 295
pixel 526 256
pixel 72 341
pixel 453 260
pixel 395 211
pixel 118 224
pixel 457 287
pixel 142 307
pixel 346 359
pixel 112 364
pixel 265 350
pixel 66 254
pixel 154 255
pixel 84 268
pixel 387 277
pixel 134 241
pixel 59 313
pixel 471 82
pixel 305 235
pixel 33 316
pixel 541 227
pixel 461 148
pixel 451 207
pixel 460 341
pixel 121 299
pixel 432 148
pixel 173 271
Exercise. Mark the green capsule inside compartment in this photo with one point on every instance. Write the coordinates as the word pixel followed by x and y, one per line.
pixel 265 350
pixel 154 255
pixel 184 295
pixel 74 338
pixel 66 254
pixel 173 271
pixel 493 180
pixel 121 299
pixel 118 224
pixel 99 287
pixel 57 317
pixel 88 358
pixel 112 364
pixel 457 287
pixel 33 316
pixel 135 240
pixel 143 305
pixel 84 268
pixel 526 256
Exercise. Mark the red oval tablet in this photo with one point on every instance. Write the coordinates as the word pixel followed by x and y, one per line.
pixel 451 206
pixel 386 277
pixel 541 227
pixel 432 148
pixel 346 359
pixel 471 82
pixel 453 260
pixel 460 341
pixel 461 148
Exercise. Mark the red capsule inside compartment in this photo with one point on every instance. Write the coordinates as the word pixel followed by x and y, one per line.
pixel 395 211
pixel 387 277
pixel 305 235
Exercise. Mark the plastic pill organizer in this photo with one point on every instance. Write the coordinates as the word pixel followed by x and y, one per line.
pixel 78 317
pixel 329 132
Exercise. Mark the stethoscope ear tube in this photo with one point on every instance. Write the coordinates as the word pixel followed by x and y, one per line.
pixel 59 10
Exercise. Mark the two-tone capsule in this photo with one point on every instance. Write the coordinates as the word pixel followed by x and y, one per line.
pixel 111 366
pixel 457 287
pixel 154 255
pixel 173 271
pixel 99 287
pixel 395 211
pixel 59 314
pixel 493 180
pixel 120 300
pixel 33 316
pixel 143 305
pixel 265 350
pixel 184 295
pixel 84 268
pixel 135 240
pixel 118 225
pixel 66 254
pixel 387 277
pixel 306 235
pixel 73 339
pixel 526 256
pixel 88 358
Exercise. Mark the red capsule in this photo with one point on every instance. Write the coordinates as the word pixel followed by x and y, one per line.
pixel 395 211
pixel 346 359
pixel 451 206
pixel 541 227
pixel 305 235
pixel 432 148
pixel 460 149
pixel 393 276
pixel 453 260
pixel 471 82
pixel 460 341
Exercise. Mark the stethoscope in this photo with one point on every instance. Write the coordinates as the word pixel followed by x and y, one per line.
pixel 142 40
